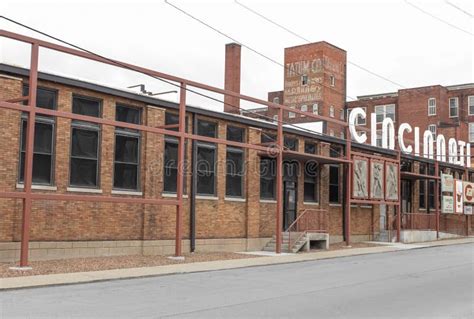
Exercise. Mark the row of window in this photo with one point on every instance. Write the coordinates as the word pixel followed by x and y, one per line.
pixel 85 151
pixel 85 144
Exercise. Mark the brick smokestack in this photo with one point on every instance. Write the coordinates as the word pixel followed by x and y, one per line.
pixel 232 77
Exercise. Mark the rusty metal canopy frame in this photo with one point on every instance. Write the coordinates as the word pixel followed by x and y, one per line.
pixel 32 109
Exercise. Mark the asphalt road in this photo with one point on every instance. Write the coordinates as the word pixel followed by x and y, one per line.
pixel 422 283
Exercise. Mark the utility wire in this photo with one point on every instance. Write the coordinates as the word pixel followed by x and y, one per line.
pixel 246 46
pixel 261 15
pixel 460 9
pixel 158 78
pixel 439 19
pixel 308 41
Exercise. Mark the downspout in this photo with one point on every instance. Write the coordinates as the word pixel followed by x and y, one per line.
pixel 192 202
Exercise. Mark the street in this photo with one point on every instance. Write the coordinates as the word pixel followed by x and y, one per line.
pixel 420 283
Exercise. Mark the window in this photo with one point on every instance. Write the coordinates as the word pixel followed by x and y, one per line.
pixel 379 138
pixel 170 163
pixel 359 120
pixel 267 178
pixel 342 135
pixel 276 100
pixel 206 159
pixel 275 118
pixel 127 149
pixel 431 106
pixel 234 163
pixel 311 181
pixel 331 132
pixel 422 194
pixel 267 138
pixel 334 184
pixel 384 111
pixel 453 107
pixel 422 187
pixel 291 115
pixel 431 194
pixel 341 115
pixel 43 146
pixel 304 79
pixel 290 143
pixel 304 108
pixel 432 129
pixel 471 132
pixel 85 144
pixel 309 148
pixel 316 108
pixel 331 111
pixel 470 101
pixel 332 80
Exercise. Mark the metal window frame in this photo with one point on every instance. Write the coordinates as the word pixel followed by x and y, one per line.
pixel 44 120
pixel 456 108
pixel 313 180
pixel 88 126
pixel 213 147
pixel 469 97
pixel 272 178
pixel 240 151
pixel 339 197
pixel 129 133
pixel 432 106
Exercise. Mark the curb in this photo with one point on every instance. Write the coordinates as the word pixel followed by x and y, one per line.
pixel 158 271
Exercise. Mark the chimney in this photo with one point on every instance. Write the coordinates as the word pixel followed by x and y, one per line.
pixel 232 77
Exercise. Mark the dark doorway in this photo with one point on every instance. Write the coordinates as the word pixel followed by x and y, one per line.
pixel 289 204
pixel 406 195
pixel 290 190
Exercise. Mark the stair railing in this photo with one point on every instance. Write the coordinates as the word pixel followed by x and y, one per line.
pixel 309 220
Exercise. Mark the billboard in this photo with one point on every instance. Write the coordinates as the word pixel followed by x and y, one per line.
pixel 458 197
pixel 447 204
pixel 468 192
pixel 447 183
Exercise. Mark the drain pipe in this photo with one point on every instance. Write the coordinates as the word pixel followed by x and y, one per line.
pixel 192 200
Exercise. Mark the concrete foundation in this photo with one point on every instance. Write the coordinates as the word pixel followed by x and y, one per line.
pixel 416 236
pixel 10 252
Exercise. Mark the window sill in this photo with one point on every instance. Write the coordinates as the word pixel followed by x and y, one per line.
pixel 335 205
pixel 311 203
pixel 38 187
pixel 235 199
pixel 131 193
pixel 268 201
pixel 207 197
pixel 365 206
pixel 172 195
pixel 84 190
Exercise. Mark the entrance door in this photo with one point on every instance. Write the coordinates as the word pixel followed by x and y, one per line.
pixel 289 204
pixel 406 196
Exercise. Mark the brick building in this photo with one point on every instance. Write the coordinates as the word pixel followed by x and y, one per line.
pixel 230 192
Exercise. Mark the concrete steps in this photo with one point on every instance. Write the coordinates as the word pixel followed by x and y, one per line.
pixel 271 245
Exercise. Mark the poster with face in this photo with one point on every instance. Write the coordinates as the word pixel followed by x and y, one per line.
pixel 459 197
pixel 360 187
pixel 391 181
pixel 376 179
pixel 468 192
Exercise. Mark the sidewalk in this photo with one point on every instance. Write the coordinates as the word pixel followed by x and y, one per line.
pixel 95 276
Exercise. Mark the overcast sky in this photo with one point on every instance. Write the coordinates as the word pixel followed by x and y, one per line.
pixel 390 38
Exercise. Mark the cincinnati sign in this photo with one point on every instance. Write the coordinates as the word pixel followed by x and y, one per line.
pixel 454 151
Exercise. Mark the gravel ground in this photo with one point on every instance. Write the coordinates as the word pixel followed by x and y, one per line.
pixel 111 262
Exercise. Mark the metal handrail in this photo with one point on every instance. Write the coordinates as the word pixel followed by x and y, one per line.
pixel 296 222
